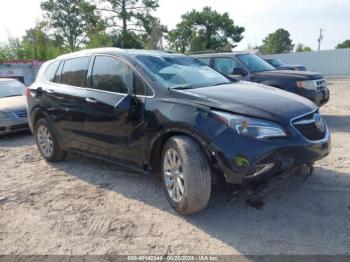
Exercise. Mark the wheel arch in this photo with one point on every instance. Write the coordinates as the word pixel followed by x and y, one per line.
pixel 154 153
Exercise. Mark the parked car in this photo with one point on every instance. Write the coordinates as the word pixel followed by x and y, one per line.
pixel 278 64
pixel 250 67
pixel 171 115
pixel 13 106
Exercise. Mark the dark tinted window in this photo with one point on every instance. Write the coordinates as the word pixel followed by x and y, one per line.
pixel 110 74
pixel 74 71
pixel 141 88
pixel 51 71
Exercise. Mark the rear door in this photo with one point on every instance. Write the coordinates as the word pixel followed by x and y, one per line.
pixel 67 101
pixel 109 127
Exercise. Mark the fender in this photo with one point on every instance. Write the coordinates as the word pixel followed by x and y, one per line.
pixel 34 118
pixel 159 139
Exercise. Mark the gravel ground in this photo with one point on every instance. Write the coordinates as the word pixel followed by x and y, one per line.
pixel 85 206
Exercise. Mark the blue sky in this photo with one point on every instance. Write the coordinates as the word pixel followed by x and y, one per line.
pixel 303 19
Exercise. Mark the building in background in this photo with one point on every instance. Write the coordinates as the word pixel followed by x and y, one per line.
pixel 22 70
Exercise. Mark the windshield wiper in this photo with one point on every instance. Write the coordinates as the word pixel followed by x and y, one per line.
pixel 220 84
pixel 181 87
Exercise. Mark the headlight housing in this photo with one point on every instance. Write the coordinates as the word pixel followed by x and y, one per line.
pixel 3 115
pixel 251 127
pixel 307 84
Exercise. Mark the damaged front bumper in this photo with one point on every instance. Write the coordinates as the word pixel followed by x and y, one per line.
pixel 251 160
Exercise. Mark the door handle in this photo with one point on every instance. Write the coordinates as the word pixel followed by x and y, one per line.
pixel 50 91
pixel 91 100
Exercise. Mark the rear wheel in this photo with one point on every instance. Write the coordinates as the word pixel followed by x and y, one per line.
pixel 47 142
pixel 186 175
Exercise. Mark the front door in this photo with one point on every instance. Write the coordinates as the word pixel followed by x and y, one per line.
pixel 114 113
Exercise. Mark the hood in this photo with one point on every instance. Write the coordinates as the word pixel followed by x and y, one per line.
pixel 297 75
pixel 11 104
pixel 254 100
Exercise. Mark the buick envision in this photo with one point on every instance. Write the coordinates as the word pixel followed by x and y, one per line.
pixel 171 115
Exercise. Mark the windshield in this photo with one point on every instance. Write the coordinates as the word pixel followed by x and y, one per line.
pixel 179 71
pixel 11 88
pixel 276 62
pixel 255 63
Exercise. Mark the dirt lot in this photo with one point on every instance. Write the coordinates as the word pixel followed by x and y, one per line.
pixel 84 206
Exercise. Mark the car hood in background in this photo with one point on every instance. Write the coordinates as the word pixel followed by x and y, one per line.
pixel 299 75
pixel 11 104
pixel 251 99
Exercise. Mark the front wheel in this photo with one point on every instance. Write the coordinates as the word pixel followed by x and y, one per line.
pixel 186 175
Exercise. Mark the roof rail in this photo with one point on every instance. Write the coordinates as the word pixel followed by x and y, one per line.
pixel 208 51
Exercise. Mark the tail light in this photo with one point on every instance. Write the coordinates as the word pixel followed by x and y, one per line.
pixel 28 94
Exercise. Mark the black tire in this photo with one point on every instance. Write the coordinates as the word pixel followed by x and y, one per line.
pixel 196 175
pixel 57 153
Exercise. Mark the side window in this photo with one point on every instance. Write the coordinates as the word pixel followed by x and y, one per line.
pixel 111 74
pixel 225 65
pixel 140 87
pixel 74 71
pixel 58 73
pixel 51 71
pixel 204 60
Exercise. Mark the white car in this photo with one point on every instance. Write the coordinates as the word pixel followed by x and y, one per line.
pixel 13 106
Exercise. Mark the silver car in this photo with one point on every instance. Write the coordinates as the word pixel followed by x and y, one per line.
pixel 13 106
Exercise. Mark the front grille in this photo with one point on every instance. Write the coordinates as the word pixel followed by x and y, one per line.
pixel 312 126
pixel 21 113
pixel 321 84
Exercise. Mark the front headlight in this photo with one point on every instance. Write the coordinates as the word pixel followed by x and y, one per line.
pixel 3 115
pixel 252 127
pixel 307 84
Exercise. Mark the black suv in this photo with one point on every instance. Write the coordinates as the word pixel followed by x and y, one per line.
pixel 250 67
pixel 172 115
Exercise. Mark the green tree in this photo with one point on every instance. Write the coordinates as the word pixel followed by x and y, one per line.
pixel 302 48
pixel 11 50
pixel 38 45
pixel 277 42
pixel 345 44
pixel 204 30
pixel 71 20
pixel 130 20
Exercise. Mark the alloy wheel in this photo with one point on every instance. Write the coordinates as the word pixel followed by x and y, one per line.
pixel 174 175
pixel 45 141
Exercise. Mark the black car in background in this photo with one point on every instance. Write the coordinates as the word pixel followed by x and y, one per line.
pixel 171 115
pixel 250 67
pixel 283 66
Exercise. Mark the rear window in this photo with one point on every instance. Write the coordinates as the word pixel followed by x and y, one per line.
pixel 74 71
pixel 11 88
pixel 51 71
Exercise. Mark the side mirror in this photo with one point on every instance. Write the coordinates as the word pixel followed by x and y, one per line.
pixel 239 71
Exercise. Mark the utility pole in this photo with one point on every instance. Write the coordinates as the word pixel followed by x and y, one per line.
pixel 320 39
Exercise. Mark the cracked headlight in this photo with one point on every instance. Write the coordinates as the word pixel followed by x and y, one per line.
pixel 252 127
